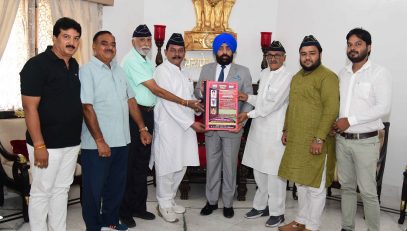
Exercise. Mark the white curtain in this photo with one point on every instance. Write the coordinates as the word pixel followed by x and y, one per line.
pixel 88 14
pixel 8 11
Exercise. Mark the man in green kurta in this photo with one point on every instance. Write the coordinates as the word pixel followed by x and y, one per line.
pixel 309 157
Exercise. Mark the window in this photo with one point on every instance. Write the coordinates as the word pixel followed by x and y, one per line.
pixel 27 29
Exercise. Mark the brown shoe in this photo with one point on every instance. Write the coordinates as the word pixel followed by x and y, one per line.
pixel 293 226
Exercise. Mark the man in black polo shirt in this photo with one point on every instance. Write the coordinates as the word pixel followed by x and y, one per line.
pixel 50 90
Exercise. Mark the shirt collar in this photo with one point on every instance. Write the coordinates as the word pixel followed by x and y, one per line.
pixel 53 56
pixel 99 63
pixel 172 66
pixel 282 68
pixel 226 66
pixel 138 56
pixel 365 66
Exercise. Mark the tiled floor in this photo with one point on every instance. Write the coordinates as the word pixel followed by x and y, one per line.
pixel 193 221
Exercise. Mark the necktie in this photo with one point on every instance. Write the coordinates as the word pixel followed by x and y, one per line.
pixel 222 74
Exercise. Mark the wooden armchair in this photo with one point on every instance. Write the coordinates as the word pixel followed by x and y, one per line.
pixel 403 198
pixel 14 168
pixel 198 174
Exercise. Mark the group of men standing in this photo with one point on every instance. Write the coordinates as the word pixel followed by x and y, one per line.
pixel 109 113
pixel 309 113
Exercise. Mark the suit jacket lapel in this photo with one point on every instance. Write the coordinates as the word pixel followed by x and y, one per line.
pixel 212 72
pixel 231 73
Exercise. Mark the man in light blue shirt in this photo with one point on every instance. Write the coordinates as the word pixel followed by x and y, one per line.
pixel 139 70
pixel 107 100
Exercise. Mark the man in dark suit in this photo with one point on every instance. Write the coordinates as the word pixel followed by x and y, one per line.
pixel 222 147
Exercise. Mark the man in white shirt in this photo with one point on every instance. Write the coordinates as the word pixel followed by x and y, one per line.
pixel 175 145
pixel 365 91
pixel 264 149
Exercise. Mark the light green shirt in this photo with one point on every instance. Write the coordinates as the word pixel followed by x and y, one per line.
pixel 108 90
pixel 139 70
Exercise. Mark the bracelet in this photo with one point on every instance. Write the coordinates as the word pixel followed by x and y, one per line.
pixel 143 129
pixel 41 146
pixel 318 140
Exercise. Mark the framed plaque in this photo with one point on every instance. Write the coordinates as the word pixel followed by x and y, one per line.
pixel 221 105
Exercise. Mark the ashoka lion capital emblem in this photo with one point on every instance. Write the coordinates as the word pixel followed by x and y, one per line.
pixel 212 18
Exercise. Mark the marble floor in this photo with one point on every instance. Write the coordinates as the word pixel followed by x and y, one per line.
pixel 193 221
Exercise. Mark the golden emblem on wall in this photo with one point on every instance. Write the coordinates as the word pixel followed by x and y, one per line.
pixel 212 18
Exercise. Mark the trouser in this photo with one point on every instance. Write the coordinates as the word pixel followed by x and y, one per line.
pixel 104 180
pixel 221 163
pixel 49 188
pixel 271 190
pixel 357 164
pixel 135 196
pixel 167 187
pixel 311 203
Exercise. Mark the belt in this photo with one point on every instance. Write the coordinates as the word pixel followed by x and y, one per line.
pixel 146 108
pixel 358 136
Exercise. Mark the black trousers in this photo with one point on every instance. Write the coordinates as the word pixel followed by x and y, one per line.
pixel 103 186
pixel 135 196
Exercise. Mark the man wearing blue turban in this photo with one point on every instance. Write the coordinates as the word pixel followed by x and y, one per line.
pixel 222 147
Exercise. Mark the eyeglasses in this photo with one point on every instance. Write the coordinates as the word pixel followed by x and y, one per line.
pixel 276 56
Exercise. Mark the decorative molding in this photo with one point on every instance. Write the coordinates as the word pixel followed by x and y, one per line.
pixel 196 40
pixel 103 2
pixel 212 18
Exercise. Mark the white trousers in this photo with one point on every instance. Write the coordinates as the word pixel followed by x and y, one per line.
pixel 271 190
pixel 167 187
pixel 311 204
pixel 49 189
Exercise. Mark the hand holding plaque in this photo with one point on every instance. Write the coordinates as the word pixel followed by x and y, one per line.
pixel 221 106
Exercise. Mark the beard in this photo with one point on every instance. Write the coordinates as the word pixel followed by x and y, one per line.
pixel 312 67
pixel 224 59
pixel 143 51
pixel 360 56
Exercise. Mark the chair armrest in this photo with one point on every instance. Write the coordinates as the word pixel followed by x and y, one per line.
pixel 20 169
pixel 10 156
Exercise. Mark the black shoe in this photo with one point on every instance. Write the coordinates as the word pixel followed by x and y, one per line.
pixel 275 221
pixel 266 212
pixel 128 221
pixel 228 212
pixel 254 213
pixel 145 215
pixel 208 209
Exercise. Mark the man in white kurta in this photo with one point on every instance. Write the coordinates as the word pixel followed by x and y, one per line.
pixel 174 144
pixel 264 150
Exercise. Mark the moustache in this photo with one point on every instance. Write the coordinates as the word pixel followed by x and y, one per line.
pixel 109 50
pixel 353 52
pixel 176 57
pixel 70 46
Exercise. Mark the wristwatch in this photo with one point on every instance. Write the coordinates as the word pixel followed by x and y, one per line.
pixel 318 140
pixel 143 129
